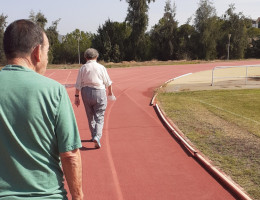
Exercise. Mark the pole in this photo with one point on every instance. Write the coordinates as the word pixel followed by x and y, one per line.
pixel 229 35
pixel 78 51
pixel 79 38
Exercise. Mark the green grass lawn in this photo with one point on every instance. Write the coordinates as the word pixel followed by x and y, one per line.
pixel 225 126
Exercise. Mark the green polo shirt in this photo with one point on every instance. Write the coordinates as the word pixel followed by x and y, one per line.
pixel 37 123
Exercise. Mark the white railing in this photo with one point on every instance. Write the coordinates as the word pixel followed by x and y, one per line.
pixel 230 77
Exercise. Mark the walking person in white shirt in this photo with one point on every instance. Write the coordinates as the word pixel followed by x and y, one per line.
pixel 92 81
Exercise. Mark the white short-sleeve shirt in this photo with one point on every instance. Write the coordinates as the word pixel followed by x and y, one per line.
pixel 93 74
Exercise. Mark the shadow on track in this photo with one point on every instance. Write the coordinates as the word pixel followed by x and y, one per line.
pixel 87 148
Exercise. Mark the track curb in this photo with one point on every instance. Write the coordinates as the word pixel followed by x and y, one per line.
pixel 217 174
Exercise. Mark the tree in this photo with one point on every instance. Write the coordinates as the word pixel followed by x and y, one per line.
pixel 51 31
pixel 253 49
pixel 110 41
pixel 237 26
pixel 138 19
pixel 67 51
pixel 163 34
pixel 207 27
pixel 186 42
pixel 223 39
pixel 53 37
pixel 2 28
pixel 39 19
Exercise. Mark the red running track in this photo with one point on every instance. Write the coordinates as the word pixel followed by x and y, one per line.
pixel 139 159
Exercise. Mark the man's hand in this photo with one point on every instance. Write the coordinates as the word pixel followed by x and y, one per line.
pixel 77 101
pixel 110 91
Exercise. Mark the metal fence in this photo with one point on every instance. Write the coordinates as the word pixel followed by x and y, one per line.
pixel 245 74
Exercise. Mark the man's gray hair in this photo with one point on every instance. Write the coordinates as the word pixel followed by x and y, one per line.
pixel 91 53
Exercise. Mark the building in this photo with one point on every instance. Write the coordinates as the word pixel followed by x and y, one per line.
pixel 256 23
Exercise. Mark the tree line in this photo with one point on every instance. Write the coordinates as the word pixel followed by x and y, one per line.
pixel 209 37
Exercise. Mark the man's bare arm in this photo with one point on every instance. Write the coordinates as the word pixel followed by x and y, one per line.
pixel 110 92
pixel 72 167
pixel 77 101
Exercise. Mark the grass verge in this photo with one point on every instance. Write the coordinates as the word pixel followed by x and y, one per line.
pixel 225 126
pixel 125 64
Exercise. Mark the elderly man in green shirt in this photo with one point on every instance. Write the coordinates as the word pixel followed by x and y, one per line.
pixel 39 138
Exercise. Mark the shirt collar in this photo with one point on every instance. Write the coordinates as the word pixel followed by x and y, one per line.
pixel 91 61
pixel 17 68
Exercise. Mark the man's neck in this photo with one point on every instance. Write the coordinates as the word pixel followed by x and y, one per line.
pixel 89 59
pixel 25 62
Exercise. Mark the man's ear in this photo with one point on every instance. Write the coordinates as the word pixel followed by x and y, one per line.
pixel 36 54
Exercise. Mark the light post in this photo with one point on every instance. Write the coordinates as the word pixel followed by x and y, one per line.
pixel 229 35
pixel 188 47
pixel 79 37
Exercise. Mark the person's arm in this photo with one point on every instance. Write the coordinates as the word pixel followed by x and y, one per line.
pixel 77 101
pixel 72 168
pixel 78 87
pixel 110 92
pixel 107 81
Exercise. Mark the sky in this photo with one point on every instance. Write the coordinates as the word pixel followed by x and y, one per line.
pixel 88 15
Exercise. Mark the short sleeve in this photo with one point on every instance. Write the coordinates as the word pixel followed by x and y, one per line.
pixel 66 126
pixel 106 79
pixel 79 80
